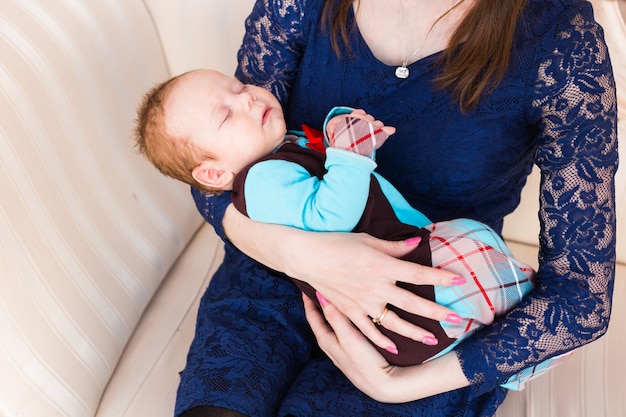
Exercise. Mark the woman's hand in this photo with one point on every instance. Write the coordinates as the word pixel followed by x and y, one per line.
pixel 356 272
pixel 368 370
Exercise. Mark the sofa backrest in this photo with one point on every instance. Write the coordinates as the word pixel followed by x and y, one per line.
pixel 200 34
pixel 87 230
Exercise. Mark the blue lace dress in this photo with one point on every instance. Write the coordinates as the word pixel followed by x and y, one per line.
pixel 555 108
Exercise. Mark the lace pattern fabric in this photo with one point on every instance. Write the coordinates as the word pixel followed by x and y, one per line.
pixel 575 96
pixel 269 59
pixel 559 92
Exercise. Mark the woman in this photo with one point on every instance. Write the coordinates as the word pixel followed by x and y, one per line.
pixel 478 90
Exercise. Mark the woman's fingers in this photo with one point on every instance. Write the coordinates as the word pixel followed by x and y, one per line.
pixel 391 321
pixel 368 329
pixel 397 325
pixel 411 303
pixel 393 270
pixel 316 320
pixel 364 325
pixel 344 344
pixel 411 272
pixel 362 281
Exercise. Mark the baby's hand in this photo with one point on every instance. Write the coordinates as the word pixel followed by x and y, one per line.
pixel 357 132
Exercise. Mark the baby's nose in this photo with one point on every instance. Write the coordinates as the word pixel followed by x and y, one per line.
pixel 247 100
pixel 248 97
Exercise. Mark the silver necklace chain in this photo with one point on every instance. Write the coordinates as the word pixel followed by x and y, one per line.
pixel 403 71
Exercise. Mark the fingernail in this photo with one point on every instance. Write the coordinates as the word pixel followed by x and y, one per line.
pixel 453 318
pixel 430 341
pixel 322 300
pixel 392 350
pixel 458 281
pixel 413 241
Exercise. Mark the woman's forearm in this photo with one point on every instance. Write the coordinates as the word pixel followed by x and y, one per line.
pixel 430 378
pixel 262 242
pixel 355 271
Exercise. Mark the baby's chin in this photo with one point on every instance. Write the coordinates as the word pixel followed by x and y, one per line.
pixel 279 140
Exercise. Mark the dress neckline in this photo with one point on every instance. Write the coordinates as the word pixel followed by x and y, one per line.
pixel 363 46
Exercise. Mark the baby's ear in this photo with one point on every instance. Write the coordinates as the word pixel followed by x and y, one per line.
pixel 212 177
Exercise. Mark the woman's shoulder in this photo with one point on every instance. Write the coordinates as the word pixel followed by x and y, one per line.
pixel 550 24
pixel 288 13
pixel 546 14
pixel 558 6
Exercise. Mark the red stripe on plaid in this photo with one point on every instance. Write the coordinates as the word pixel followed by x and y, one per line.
pixel 366 137
pixel 357 141
pixel 456 246
pixel 357 135
pixel 461 257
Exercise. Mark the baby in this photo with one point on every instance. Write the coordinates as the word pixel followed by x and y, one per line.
pixel 215 133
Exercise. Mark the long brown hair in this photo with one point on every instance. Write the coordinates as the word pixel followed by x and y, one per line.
pixel 477 55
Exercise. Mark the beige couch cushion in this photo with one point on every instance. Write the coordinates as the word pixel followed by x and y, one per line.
pixel 145 381
pixel 88 231
pixel 200 34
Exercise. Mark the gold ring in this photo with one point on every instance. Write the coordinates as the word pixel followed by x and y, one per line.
pixel 380 317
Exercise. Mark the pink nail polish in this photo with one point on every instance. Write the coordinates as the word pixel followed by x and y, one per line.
pixel 454 318
pixel 413 241
pixel 458 281
pixel 322 300
pixel 392 350
pixel 430 341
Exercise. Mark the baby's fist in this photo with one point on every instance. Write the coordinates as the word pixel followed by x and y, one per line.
pixel 358 135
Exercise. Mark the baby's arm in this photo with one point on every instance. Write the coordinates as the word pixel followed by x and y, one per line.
pixel 283 192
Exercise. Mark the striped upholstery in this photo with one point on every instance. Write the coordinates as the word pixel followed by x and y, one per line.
pixel 88 229
pixel 102 260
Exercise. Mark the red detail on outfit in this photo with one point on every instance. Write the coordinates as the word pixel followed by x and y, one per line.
pixel 315 139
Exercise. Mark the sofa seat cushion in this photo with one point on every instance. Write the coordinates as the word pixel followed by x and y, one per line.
pixel 145 380
pixel 88 228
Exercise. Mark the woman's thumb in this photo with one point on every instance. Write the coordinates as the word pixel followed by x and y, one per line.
pixel 399 248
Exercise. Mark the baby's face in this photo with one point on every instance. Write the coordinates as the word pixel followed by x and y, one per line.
pixel 235 122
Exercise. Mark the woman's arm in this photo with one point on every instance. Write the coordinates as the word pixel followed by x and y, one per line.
pixel 574 97
pixel 358 273
pixel 574 102
pixel 270 51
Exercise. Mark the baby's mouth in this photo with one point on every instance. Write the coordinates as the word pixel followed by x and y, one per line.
pixel 266 115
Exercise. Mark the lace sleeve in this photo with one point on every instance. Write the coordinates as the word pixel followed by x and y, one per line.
pixel 574 99
pixel 271 48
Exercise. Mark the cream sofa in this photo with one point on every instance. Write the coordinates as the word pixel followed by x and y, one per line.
pixel 103 260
